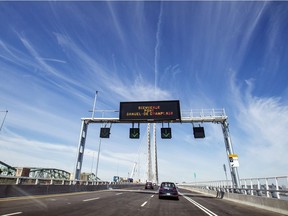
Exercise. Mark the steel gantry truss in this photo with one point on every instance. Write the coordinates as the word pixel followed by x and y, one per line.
pixel 217 116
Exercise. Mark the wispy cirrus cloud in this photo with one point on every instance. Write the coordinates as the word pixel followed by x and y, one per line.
pixel 261 124
pixel 53 60
pixel 31 153
pixel 113 82
pixel 41 63
pixel 145 51
pixel 31 63
pixel 157 47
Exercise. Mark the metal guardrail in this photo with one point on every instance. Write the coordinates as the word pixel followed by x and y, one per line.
pixel 272 187
pixel 12 180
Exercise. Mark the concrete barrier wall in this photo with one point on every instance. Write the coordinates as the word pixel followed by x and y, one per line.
pixel 271 204
pixel 29 190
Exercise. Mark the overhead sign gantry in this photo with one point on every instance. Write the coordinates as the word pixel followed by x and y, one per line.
pixel 158 112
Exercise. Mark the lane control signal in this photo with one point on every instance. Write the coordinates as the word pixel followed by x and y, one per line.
pixel 166 133
pixel 134 133
pixel 198 132
pixel 104 132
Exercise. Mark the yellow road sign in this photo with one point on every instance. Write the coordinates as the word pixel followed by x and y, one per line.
pixel 233 156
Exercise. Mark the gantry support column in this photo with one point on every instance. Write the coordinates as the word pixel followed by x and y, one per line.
pixel 229 150
pixel 81 147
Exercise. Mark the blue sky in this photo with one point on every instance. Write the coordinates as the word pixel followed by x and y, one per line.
pixel 231 55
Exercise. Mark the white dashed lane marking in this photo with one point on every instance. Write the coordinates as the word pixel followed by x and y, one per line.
pixel 96 198
pixel 144 204
pixel 15 213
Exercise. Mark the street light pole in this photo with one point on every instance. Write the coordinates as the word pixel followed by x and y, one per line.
pixel 6 111
pixel 94 104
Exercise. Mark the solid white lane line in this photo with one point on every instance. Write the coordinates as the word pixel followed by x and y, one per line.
pixel 152 196
pixel 207 211
pixel 144 204
pixel 15 213
pixel 118 194
pixel 86 200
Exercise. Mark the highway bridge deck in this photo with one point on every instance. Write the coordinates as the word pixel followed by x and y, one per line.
pixel 135 201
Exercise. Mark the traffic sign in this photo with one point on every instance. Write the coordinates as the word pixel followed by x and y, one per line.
pixel 198 132
pixel 104 132
pixel 150 110
pixel 233 158
pixel 134 133
pixel 166 133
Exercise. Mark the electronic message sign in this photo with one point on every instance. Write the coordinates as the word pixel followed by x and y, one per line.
pixel 150 110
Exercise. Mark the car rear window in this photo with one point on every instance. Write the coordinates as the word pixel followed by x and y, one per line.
pixel 168 185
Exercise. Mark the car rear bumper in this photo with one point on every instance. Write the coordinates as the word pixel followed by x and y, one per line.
pixel 169 195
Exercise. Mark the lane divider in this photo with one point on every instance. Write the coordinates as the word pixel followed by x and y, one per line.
pixel 86 200
pixel 15 213
pixel 118 194
pixel 207 211
pixel 147 200
pixel 144 204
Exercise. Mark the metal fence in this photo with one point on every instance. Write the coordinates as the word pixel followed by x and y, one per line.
pixel 272 187
pixel 10 180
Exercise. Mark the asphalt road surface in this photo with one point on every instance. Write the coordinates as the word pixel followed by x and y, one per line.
pixel 124 203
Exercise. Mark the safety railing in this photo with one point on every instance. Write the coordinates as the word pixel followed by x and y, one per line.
pixel 10 180
pixel 192 113
pixel 272 187
pixel 197 113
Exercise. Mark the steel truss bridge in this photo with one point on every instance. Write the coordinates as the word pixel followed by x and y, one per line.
pixel 36 172
pixel 6 169
pixel 51 173
pixel 217 116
